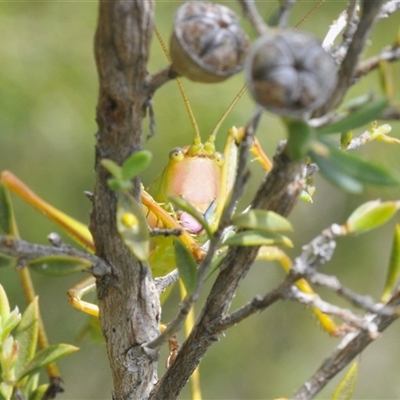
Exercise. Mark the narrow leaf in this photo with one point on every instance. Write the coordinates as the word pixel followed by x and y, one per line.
pixel 46 357
pixel 9 323
pixel 345 389
pixel 370 215
pixel 305 196
pixel 135 164
pixel 257 238
pixel 331 170
pixel 27 335
pixel 113 168
pixel 59 265
pixel 268 221
pixel 363 115
pixel 4 305
pixel 39 392
pixel 347 170
pixel 345 139
pixel 6 390
pixel 187 266
pixel 119 185
pixel 393 272
pixel 183 205
pixel 132 226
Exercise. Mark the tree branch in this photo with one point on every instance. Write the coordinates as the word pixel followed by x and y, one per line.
pixel 26 251
pixel 370 11
pixel 121 48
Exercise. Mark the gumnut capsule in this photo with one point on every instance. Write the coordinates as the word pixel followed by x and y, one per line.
pixel 289 73
pixel 207 43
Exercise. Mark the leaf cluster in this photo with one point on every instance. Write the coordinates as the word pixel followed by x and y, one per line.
pixel 20 362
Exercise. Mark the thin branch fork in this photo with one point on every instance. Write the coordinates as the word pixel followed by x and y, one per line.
pixel 389 54
pixel 369 14
pixel 314 254
pixel 350 347
pixel 26 251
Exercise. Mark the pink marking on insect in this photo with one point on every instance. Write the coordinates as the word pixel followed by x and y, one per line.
pixel 190 223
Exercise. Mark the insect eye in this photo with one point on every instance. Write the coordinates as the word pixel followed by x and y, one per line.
pixel 219 159
pixel 176 154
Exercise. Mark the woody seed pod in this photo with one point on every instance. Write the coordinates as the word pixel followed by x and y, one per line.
pixel 289 73
pixel 207 44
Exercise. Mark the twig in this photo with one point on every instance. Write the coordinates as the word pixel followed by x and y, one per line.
pixel 347 69
pixel 166 232
pixel 257 304
pixel 313 255
pixel 26 251
pixel 389 8
pixel 352 12
pixel 251 13
pixel 165 281
pixel 346 315
pixel 155 81
pixel 364 302
pixel 389 54
pixel 351 346
pixel 284 12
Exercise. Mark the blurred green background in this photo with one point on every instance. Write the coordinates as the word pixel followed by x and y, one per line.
pixel 48 92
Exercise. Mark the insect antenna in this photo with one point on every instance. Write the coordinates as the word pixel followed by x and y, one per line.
pixel 308 15
pixel 211 138
pixel 197 138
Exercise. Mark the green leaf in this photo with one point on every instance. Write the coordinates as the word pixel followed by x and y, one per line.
pixel 6 390
pixel 8 320
pixel 39 392
pixel 119 185
pixel 183 205
pixel 30 385
pixel 113 168
pixel 59 265
pixel 268 221
pixel 4 305
pixel 393 272
pixel 132 226
pixel 305 196
pixel 257 238
pixel 135 164
pixel 300 134
pixel 370 215
pixel 46 357
pixel 27 335
pixel 363 115
pixel 345 389
pixel 187 266
pixel 348 171
pixel 7 221
pixel 10 323
pixel 345 139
